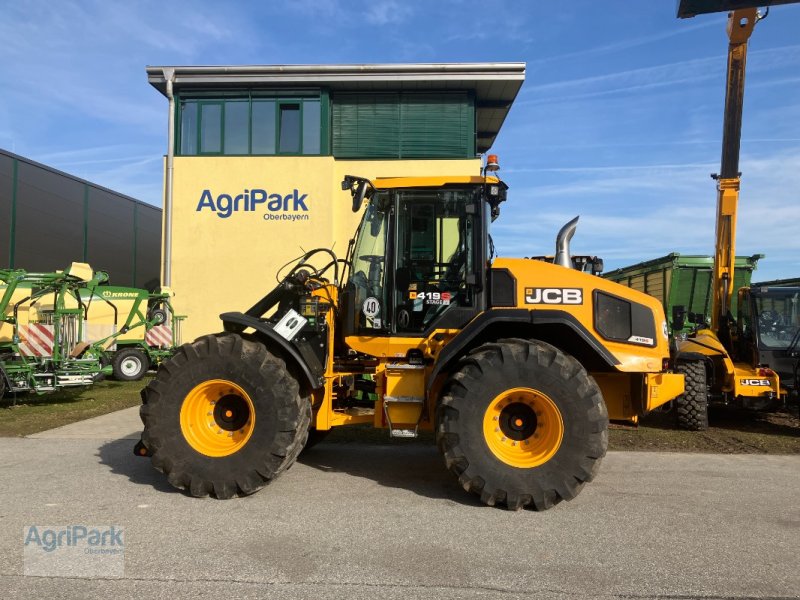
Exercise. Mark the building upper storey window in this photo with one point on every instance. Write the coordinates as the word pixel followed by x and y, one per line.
pixel 250 124
pixel 347 125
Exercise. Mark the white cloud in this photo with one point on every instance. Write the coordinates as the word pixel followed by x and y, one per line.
pixel 325 8
pixel 629 81
pixel 629 43
pixel 385 12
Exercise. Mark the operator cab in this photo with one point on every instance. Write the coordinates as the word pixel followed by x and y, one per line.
pixel 419 258
pixel 769 330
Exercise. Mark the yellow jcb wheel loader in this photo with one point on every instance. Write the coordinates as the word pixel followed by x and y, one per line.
pixel 515 364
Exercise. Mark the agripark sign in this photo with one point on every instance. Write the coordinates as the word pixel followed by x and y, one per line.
pixel 276 207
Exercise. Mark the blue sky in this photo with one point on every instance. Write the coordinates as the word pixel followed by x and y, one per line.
pixel 619 119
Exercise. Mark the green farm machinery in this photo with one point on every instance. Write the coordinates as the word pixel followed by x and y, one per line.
pixel 70 328
pixel 135 329
pixel 41 330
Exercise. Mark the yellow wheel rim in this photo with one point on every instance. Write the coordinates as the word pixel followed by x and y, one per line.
pixel 217 418
pixel 523 427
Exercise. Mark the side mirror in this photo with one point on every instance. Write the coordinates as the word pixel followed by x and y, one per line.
pixel 597 266
pixel 495 193
pixel 359 195
pixel 678 317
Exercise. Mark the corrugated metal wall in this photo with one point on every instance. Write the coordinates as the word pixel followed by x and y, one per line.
pixel 6 180
pixel 49 219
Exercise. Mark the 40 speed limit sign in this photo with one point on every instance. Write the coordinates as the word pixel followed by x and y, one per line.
pixel 371 307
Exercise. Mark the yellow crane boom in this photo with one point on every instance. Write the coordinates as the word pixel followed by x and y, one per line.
pixel 742 18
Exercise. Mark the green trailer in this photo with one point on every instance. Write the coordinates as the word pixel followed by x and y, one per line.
pixel 678 280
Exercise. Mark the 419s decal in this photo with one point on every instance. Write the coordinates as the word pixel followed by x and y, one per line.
pixel 441 298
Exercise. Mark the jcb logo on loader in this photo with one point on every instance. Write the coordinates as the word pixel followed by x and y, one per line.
pixel 756 382
pixel 553 296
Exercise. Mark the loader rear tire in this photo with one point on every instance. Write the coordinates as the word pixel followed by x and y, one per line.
pixel 691 407
pixel 224 417
pixel 520 423
pixel 130 364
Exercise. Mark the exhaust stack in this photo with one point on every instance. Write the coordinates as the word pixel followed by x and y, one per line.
pixel 563 256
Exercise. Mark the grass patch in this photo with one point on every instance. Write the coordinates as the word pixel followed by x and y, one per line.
pixel 731 431
pixel 33 413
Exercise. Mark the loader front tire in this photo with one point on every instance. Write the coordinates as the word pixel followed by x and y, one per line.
pixel 224 416
pixel 691 407
pixel 520 423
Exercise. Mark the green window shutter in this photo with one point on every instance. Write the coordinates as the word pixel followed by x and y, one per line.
pixel 366 125
pixel 403 125
pixel 344 115
pixel 436 126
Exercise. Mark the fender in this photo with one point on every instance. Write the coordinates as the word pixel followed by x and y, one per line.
pixel 236 322
pixel 455 349
pixel 707 360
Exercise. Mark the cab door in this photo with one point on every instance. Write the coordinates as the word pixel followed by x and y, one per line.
pixel 434 271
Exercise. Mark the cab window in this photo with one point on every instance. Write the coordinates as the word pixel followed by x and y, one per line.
pixel 368 269
pixel 434 255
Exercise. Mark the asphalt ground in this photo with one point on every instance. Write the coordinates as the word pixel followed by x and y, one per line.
pixel 364 521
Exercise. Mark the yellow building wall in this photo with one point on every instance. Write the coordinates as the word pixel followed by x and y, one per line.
pixel 23 313
pixel 224 264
